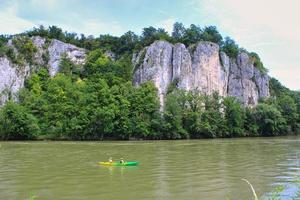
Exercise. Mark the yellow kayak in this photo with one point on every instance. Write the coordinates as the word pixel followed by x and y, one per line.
pixel 129 163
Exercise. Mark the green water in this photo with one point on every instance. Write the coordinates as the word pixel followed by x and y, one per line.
pixel 196 169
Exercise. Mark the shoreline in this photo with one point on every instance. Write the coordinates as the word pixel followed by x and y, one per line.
pixel 145 140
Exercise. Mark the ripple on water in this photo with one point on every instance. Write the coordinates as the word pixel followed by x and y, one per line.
pixel 205 169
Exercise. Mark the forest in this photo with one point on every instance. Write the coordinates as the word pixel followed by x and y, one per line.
pixel 98 101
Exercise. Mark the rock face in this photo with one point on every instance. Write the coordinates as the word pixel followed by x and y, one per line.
pixel 49 53
pixel 11 79
pixel 156 66
pixel 57 49
pixel 200 67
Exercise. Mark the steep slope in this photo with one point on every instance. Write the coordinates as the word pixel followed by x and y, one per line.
pixel 48 54
pixel 200 67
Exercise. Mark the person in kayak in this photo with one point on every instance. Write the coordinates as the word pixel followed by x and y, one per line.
pixel 110 160
pixel 122 161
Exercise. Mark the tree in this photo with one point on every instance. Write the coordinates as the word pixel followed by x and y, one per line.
pixel 234 117
pixel 17 123
pixel 173 118
pixel 108 42
pixel 230 47
pixel 178 31
pixel 128 41
pixel 210 33
pixel 56 33
pixel 288 109
pixel 144 111
pixel 257 62
pixel 150 34
pixel 192 35
pixel 213 123
pixel 67 67
pixel 269 120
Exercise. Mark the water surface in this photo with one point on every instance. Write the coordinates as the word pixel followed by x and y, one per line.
pixel 192 169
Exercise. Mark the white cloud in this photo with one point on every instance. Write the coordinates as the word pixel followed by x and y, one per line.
pixel 94 27
pixel 167 24
pixel 11 23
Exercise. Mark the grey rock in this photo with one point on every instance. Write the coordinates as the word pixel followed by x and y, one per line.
pixel 11 79
pixel 156 67
pixel 110 55
pixel 57 49
pixel 182 67
pixel 12 76
pixel 262 82
pixel 207 70
pixel 200 67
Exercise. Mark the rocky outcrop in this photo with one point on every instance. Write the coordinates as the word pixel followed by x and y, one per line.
pixel 156 66
pixel 11 79
pixel 201 67
pixel 207 71
pixel 48 54
pixel 57 49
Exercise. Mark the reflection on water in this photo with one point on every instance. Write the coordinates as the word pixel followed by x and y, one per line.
pixel 195 169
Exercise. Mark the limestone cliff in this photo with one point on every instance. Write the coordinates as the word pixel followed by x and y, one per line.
pixel 48 54
pixel 200 67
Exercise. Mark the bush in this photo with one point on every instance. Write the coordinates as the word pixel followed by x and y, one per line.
pixel 269 120
pixel 25 47
pixel 257 62
pixel 17 123
pixel 230 48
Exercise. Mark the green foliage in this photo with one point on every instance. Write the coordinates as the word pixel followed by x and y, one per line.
pixel 213 121
pixel 192 35
pixel 211 34
pixel 130 42
pixel 17 123
pixel 230 47
pixel 173 118
pixel 257 63
pixel 12 56
pixel 98 65
pixel 178 31
pixel 269 120
pixel 95 107
pixel 98 100
pixel 144 111
pixel 46 57
pixel 276 193
pixel 25 48
pixel 234 117
pixel 151 34
pixel 288 102
pixel 67 67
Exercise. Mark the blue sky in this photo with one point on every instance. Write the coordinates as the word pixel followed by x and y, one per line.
pixel 269 27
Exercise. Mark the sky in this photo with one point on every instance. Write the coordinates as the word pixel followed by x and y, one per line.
pixel 269 27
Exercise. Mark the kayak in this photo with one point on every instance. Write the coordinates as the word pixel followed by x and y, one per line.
pixel 129 163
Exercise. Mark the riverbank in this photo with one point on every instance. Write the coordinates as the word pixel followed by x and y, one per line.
pixel 51 138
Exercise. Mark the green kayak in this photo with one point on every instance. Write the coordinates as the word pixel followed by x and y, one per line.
pixel 129 163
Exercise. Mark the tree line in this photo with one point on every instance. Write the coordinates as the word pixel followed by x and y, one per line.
pixel 98 101
pixel 130 42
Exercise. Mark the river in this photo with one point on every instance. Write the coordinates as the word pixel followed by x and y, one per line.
pixel 185 169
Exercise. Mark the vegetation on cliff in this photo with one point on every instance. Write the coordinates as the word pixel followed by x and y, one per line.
pixel 98 100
